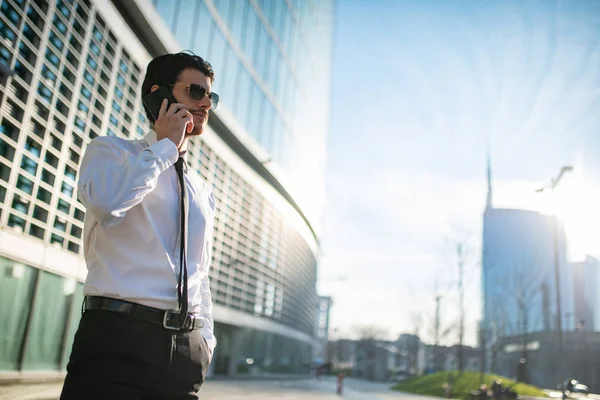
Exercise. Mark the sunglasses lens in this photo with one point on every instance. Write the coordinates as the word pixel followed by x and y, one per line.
pixel 214 100
pixel 197 92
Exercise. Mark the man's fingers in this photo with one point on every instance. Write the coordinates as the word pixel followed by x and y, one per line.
pixel 175 108
pixel 163 108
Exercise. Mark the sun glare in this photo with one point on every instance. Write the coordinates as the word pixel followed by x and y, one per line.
pixel 577 205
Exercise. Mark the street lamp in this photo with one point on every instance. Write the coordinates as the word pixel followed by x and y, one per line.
pixel 553 184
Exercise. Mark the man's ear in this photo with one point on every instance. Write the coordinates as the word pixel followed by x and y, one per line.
pixel 153 88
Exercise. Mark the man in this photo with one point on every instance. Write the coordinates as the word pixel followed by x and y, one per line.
pixel 147 327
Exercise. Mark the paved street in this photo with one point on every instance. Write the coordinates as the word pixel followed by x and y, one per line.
pixel 305 389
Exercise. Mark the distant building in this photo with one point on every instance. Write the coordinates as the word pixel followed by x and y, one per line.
pixel 370 359
pixel 412 347
pixel 586 281
pixel 445 358
pixel 518 272
pixel 581 352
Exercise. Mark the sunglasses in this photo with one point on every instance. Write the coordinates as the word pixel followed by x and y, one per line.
pixel 197 92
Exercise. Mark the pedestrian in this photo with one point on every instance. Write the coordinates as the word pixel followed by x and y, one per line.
pixel 147 327
pixel 340 383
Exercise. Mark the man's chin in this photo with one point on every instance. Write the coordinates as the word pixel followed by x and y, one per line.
pixel 197 131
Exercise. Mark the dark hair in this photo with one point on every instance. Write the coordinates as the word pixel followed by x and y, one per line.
pixel 165 69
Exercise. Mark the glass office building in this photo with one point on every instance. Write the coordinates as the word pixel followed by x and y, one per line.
pixel 78 67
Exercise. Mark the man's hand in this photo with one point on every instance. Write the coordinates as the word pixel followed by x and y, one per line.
pixel 173 123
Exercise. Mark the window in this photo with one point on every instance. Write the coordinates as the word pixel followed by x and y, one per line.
pixel 59 24
pixel 97 34
pixel 95 49
pixel 74 247
pixel 33 38
pixel 76 231
pixel 33 147
pixel 65 91
pixel 64 110
pixel 55 142
pixel 70 173
pixel 47 177
pixel 217 53
pixel 40 214
pixel 16 222
pixel 86 92
pixel 68 75
pixel 93 64
pixel 82 107
pixel 96 121
pixel 71 58
pixel 79 215
pixel 27 164
pixel 63 206
pixel 52 58
pixel 50 159
pixel 166 8
pixel 81 31
pixel 116 106
pixel 79 124
pixel 25 184
pixel 202 30
pixel 26 53
pixel 88 77
pixel 62 7
pixel 77 140
pixel 9 130
pixel 20 204
pixel 123 67
pixel 56 239
pixel 74 156
pixel 67 189
pixel 36 231
pixel 35 18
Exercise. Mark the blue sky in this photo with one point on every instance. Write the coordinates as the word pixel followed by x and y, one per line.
pixel 419 88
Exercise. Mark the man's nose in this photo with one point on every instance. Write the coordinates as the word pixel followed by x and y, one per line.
pixel 205 102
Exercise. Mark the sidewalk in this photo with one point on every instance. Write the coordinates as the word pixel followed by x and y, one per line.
pixel 50 390
pixel 31 391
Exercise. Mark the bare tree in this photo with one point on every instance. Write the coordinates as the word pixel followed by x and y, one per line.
pixel 465 259
pixel 370 332
pixel 522 288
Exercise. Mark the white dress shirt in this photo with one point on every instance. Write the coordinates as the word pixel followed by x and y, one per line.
pixel 131 229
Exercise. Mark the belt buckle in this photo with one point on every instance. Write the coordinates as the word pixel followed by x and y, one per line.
pixel 166 325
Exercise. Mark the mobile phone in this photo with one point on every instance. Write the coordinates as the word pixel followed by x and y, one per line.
pixel 153 101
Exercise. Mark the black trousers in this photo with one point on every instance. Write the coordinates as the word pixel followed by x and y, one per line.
pixel 117 357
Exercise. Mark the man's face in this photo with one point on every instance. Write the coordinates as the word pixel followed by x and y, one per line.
pixel 198 108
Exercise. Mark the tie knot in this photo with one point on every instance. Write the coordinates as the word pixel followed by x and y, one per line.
pixel 181 165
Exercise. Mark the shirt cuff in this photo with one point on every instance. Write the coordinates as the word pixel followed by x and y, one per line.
pixel 164 152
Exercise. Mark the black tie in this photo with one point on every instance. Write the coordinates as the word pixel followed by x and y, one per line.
pixel 182 287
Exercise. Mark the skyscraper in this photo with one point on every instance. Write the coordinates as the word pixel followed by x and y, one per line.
pixel 518 272
pixel 79 65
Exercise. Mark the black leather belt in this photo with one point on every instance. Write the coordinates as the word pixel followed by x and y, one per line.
pixel 168 319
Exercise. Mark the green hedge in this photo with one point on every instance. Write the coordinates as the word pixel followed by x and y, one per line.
pixel 463 384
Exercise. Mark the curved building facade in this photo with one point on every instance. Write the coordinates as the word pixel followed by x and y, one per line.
pixel 78 66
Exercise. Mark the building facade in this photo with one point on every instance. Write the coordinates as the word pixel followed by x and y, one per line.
pixel 519 280
pixel 78 67
pixel 542 367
